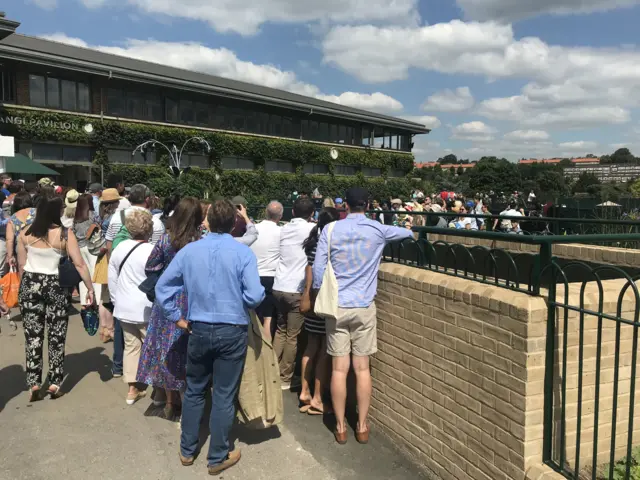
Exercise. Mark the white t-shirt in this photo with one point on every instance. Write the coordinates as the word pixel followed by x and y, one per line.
pixel 123 203
pixel 267 248
pixel 506 224
pixel 293 261
pixel 130 304
pixel 116 225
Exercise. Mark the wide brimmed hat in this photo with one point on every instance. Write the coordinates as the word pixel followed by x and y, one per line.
pixel 71 199
pixel 110 195
pixel 46 181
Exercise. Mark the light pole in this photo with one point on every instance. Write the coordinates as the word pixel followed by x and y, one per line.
pixel 174 154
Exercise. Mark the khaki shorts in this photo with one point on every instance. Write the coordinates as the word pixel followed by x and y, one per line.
pixel 354 331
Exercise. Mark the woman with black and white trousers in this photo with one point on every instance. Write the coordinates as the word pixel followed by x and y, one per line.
pixel 43 302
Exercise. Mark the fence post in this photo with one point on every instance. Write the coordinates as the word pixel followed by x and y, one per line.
pixel 545 260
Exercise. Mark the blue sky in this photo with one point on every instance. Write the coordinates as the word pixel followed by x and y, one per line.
pixel 491 77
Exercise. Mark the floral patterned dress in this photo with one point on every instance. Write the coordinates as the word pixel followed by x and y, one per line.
pixel 164 352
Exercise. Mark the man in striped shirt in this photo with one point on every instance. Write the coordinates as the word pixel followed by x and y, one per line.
pixel 140 198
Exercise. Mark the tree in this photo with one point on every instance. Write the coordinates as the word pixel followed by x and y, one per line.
pixel 587 183
pixel 622 155
pixel 448 159
pixel 634 188
pixel 590 155
pixel 494 174
pixel 565 163
pixel 460 171
pixel 452 170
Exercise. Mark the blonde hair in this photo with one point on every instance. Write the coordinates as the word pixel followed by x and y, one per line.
pixel 328 203
pixel 139 223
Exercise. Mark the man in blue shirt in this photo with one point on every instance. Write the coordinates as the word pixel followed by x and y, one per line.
pixel 220 276
pixel 5 178
pixel 356 250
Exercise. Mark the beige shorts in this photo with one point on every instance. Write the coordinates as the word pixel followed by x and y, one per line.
pixel 354 331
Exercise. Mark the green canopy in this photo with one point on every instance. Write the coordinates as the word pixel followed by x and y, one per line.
pixel 22 164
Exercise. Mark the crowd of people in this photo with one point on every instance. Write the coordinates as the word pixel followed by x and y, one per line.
pixel 187 291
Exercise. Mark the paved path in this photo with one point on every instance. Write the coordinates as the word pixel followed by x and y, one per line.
pixel 92 434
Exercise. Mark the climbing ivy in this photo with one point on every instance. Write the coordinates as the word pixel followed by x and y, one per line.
pixel 256 185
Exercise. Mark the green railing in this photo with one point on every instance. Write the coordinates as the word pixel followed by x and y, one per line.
pixel 540 272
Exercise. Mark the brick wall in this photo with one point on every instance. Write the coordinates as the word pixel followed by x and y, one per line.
pixel 459 376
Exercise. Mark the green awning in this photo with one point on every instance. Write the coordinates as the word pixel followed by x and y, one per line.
pixel 22 164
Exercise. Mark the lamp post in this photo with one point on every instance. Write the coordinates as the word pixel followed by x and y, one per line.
pixel 174 154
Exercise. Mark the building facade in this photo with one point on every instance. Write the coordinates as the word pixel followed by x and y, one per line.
pixel 63 104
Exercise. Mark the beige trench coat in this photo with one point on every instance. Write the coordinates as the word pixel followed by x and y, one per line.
pixel 260 395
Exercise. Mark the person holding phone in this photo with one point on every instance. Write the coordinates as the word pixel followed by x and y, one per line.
pixel 244 230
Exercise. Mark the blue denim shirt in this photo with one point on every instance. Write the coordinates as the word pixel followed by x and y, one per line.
pixel 356 251
pixel 220 278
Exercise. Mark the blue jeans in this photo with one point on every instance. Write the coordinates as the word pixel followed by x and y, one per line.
pixel 118 347
pixel 218 350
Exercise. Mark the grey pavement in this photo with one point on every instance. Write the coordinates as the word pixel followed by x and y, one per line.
pixel 91 433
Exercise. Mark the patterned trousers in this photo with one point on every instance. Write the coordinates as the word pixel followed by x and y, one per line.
pixel 43 303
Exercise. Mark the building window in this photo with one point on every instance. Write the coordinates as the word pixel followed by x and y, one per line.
pixel 55 93
pixel 59 153
pixel 115 102
pixel 366 137
pixel 124 156
pixel 397 173
pixel 7 86
pixel 315 168
pixel 371 172
pixel 202 114
pixel 201 161
pixel 345 170
pixel 187 112
pixel 237 163
pixel 37 91
pixel 279 166
pixel 69 95
pixel 405 141
pixel 171 110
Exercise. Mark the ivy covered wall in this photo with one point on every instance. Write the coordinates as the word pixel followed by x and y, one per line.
pixel 256 185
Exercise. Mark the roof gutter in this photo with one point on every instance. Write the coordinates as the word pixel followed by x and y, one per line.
pixel 124 74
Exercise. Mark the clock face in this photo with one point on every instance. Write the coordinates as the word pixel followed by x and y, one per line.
pixel 334 153
pixel 88 128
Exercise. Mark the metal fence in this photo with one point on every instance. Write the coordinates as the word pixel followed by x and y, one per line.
pixel 591 337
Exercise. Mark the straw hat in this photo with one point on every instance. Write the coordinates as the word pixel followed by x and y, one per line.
pixel 110 195
pixel 71 200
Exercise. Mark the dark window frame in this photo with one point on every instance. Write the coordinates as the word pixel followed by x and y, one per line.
pixel 7 85
pixel 60 79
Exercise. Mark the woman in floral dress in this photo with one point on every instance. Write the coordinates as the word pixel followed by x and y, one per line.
pixel 164 352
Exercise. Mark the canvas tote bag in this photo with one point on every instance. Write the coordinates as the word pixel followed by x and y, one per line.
pixel 326 305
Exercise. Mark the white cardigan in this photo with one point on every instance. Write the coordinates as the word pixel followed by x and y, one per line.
pixel 130 304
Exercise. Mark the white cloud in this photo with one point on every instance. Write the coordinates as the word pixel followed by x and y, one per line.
pixel 246 16
pixel 374 101
pixel 527 135
pixel 223 62
pixel 581 146
pixel 569 87
pixel 426 120
pixel 45 4
pixel 517 9
pixel 475 131
pixel 521 109
pixel 449 100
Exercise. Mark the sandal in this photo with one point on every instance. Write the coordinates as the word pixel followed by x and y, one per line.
pixel 304 408
pixel 315 411
pixel 54 392
pixel 35 395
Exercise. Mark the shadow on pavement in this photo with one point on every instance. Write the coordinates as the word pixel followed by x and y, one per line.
pixel 79 365
pixel 12 384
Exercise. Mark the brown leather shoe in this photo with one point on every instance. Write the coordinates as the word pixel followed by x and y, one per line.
pixel 232 459
pixel 185 461
pixel 362 437
pixel 341 438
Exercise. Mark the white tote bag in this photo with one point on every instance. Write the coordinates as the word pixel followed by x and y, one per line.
pixel 326 305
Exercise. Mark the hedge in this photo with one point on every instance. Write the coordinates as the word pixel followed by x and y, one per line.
pixel 256 185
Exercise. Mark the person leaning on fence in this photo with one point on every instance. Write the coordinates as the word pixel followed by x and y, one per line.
pixel 354 329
